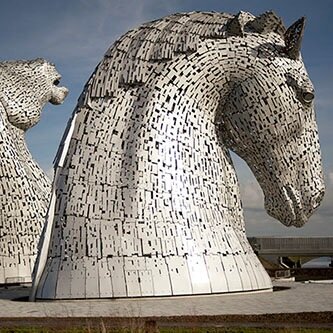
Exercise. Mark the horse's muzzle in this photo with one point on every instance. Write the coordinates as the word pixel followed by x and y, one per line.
pixel 290 208
pixel 317 199
pixel 58 95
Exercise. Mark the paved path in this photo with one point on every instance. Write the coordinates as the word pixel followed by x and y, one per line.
pixel 301 297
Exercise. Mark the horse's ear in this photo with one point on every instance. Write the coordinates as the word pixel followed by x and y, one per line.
pixel 235 27
pixel 267 22
pixel 293 38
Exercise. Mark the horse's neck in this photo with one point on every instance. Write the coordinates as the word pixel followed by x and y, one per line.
pixel 18 137
pixel 163 149
pixel 170 137
pixel 190 124
pixel 17 161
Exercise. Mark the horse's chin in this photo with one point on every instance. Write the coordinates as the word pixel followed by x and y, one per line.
pixel 288 209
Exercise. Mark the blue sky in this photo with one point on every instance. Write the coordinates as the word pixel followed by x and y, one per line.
pixel 74 34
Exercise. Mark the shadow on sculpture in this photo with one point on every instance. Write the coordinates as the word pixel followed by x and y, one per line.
pixel 146 200
pixel 25 87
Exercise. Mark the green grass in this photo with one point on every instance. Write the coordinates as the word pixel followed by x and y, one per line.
pixel 246 330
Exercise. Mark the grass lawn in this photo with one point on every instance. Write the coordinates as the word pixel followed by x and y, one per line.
pixel 103 329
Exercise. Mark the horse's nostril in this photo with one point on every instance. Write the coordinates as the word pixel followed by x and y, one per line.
pixel 317 199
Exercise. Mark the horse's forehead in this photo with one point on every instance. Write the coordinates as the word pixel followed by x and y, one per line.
pixel 298 73
pixel 281 67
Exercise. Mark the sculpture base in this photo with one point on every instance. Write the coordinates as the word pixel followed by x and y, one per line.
pixel 249 292
pixel 16 270
pixel 21 280
pixel 128 277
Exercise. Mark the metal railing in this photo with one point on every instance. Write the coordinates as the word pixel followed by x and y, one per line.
pixel 312 246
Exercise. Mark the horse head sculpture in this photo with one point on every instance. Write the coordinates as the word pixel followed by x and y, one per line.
pixel 146 200
pixel 25 88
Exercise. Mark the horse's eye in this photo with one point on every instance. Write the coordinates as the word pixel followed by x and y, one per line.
pixel 56 82
pixel 308 97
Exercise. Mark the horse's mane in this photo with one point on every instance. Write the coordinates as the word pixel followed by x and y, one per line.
pixel 130 60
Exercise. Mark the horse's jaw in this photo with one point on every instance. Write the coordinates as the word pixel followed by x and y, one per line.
pixel 289 207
